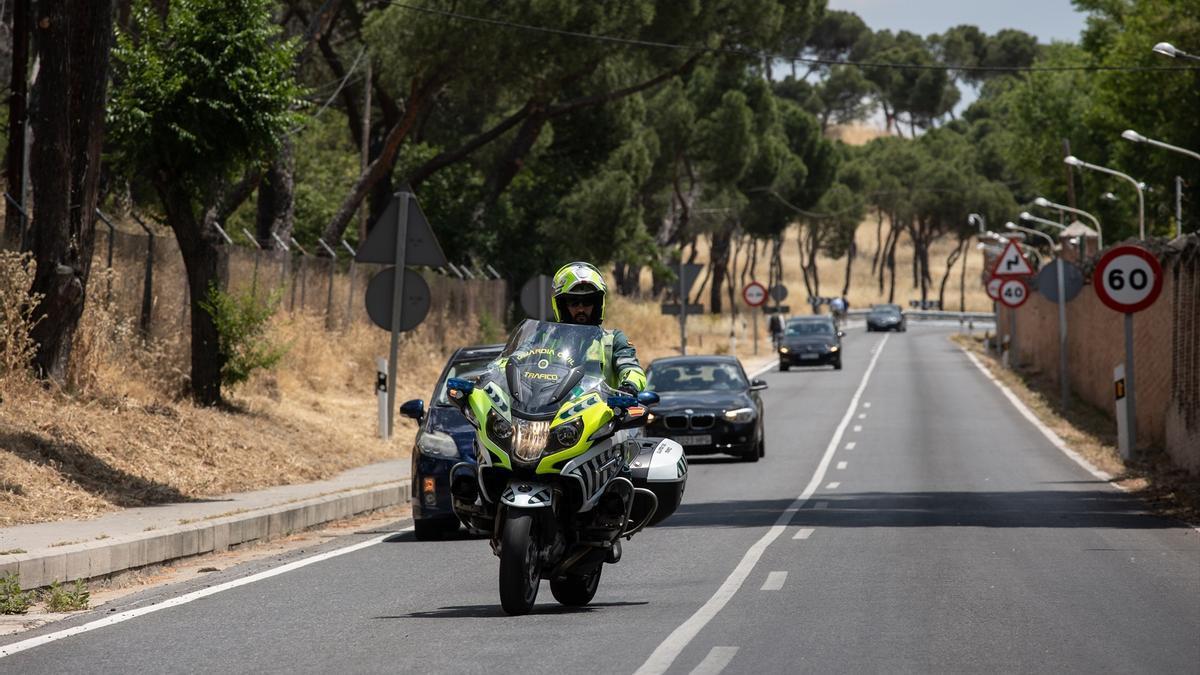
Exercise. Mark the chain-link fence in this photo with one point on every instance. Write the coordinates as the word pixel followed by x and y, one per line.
pixel 149 285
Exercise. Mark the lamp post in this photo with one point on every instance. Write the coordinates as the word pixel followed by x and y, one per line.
pixel 1063 386
pixel 1168 49
pixel 1135 137
pixel 1046 203
pixel 1075 161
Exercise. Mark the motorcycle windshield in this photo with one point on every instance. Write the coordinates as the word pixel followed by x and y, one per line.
pixel 549 363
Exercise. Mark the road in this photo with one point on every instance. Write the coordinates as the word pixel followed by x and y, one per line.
pixel 906 518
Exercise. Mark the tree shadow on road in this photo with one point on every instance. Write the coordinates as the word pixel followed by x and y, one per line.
pixel 1021 509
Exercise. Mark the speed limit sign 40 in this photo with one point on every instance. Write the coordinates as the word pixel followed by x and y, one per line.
pixel 1013 293
pixel 1128 279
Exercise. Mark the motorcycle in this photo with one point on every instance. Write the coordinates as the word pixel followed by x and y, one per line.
pixel 562 472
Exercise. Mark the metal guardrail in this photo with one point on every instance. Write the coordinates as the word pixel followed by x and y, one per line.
pixel 933 315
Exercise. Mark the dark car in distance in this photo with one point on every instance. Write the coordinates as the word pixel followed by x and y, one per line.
pixel 707 405
pixel 810 341
pixel 444 439
pixel 886 317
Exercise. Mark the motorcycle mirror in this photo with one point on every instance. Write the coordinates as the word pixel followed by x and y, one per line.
pixel 648 398
pixel 621 401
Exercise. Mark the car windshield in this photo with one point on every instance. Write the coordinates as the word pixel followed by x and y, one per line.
pixel 468 370
pixel 810 328
pixel 885 309
pixel 545 363
pixel 712 376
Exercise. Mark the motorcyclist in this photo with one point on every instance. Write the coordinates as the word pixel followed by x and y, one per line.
pixel 579 294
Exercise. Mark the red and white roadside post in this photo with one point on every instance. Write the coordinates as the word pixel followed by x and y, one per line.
pixel 1127 279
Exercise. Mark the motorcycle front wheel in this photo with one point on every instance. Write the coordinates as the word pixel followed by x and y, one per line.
pixel 520 565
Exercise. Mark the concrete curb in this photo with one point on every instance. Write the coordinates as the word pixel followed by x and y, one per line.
pixel 93 559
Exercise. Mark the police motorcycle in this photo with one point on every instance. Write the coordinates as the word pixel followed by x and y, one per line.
pixel 563 473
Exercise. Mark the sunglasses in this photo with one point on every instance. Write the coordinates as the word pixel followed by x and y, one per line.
pixel 581 303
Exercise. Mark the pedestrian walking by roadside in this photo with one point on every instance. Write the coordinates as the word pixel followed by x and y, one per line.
pixel 775 325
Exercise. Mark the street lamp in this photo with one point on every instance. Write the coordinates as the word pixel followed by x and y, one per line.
pixel 1064 387
pixel 1046 203
pixel 1168 49
pixel 1076 162
pixel 1131 135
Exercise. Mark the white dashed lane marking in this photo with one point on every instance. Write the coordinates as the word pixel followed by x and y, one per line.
pixel 858 427
pixel 842 465
pixel 716 661
pixel 866 405
pixel 850 445
pixel 774 581
pixel 833 486
pixel 804 533
pixel 862 416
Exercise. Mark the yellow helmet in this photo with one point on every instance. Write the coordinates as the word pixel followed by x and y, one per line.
pixel 578 280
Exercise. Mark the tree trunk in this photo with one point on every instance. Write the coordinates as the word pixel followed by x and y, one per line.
pixel 878 240
pixel 851 253
pixel 68 121
pixel 891 265
pixel 17 112
pixel 950 260
pixel 276 199
pixel 962 280
pixel 718 261
pixel 203 263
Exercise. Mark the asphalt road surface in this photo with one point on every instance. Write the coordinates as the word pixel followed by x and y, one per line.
pixel 906 518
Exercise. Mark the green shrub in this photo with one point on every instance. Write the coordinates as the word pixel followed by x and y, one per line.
pixel 73 599
pixel 12 599
pixel 490 330
pixel 242 321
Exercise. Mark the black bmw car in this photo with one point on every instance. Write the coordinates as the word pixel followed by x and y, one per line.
pixel 886 317
pixel 811 341
pixel 707 405
pixel 444 439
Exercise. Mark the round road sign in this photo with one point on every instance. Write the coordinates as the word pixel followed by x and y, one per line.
pixel 778 292
pixel 754 294
pixel 1013 292
pixel 1128 279
pixel 993 288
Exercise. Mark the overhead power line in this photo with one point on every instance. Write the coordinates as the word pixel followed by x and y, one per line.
pixel 760 55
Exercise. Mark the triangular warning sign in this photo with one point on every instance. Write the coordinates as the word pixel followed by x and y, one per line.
pixel 421 246
pixel 1012 263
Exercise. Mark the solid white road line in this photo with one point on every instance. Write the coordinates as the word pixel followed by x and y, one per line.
pixel 843 465
pixel 17 647
pixel 804 533
pixel 821 505
pixel 850 445
pixel 716 661
pixel 665 654
pixel 774 581
pixel 833 486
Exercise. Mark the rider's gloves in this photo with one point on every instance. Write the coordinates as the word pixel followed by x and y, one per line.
pixel 629 388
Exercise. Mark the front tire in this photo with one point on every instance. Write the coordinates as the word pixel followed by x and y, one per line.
pixel 576 590
pixel 837 365
pixel 783 367
pixel 520 564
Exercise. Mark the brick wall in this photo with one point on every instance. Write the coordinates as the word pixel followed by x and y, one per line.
pixel 1166 352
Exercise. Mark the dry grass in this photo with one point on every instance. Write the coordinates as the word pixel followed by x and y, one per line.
pixel 1089 432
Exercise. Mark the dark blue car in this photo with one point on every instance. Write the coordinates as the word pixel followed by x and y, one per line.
pixel 444 439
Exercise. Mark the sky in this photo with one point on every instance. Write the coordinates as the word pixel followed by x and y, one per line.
pixel 1047 19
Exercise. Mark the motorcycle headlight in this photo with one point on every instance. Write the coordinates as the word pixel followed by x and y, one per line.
pixel 499 430
pixel 529 439
pixel 740 416
pixel 437 444
pixel 566 435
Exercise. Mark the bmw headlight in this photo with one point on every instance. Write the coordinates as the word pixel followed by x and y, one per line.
pixel 740 416
pixel 437 444
pixel 783 350
pixel 834 348
pixel 566 435
pixel 499 430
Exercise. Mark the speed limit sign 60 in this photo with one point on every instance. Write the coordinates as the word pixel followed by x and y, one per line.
pixel 1014 293
pixel 1128 279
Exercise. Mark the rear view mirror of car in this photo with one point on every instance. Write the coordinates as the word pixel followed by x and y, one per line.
pixel 414 409
pixel 757 385
pixel 841 333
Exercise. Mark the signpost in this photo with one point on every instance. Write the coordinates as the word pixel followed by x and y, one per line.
pixel 755 294
pixel 687 272
pixel 401 237
pixel 1127 279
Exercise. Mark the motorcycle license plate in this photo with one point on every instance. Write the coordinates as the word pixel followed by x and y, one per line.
pixel 809 356
pixel 694 440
